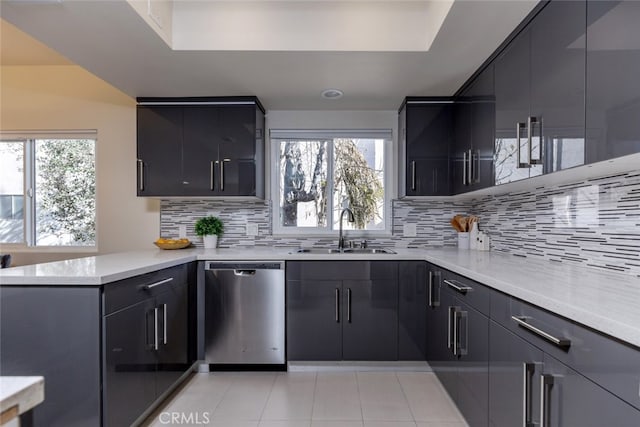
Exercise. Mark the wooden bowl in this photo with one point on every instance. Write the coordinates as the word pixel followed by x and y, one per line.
pixel 173 244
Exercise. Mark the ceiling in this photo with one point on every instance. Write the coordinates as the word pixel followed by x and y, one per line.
pixel 117 43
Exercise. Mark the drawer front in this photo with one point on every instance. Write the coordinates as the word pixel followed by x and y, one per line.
pixel 342 270
pixel 130 291
pixel 476 295
pixel 606 361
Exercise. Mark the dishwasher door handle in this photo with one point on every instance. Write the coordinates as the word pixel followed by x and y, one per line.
pixel 244 272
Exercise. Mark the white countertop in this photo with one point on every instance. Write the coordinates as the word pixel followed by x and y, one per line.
pixel 607 302
pixel 23 392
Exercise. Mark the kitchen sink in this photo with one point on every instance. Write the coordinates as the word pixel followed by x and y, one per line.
pixel 344 251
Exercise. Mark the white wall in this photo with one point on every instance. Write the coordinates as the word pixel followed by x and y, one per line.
pixel 68 97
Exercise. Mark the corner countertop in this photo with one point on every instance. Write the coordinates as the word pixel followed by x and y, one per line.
pixel 21 393
pixel 606 302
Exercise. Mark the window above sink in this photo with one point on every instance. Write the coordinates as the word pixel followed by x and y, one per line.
pixel 315 174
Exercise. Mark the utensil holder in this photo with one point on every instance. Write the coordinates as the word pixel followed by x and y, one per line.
pixel 463 240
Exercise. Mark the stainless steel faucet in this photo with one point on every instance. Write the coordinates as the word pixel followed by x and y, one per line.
pixel 350 218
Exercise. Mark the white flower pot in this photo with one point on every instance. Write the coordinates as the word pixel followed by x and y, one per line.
pixel 210 241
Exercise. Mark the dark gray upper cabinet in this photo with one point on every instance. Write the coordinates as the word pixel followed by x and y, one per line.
pixel 425 127
pixel 539 90
pixel 200 147
pixel 342 310
pixel 473 143
pixel 613 87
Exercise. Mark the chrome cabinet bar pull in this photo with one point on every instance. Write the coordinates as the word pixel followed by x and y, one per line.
pixel 337 305
pixel 531 121
pixel 519 127
pixel 140 175
pixel 211 176
pixel 528 370
pixel 470 167
pixel 155 328
pixel 413 175
pixel 161 282
pixel 349 305
pixel 457 286
pixel 164 324
pixel 455 331
pixel 560 342
pixel 222 162
pixel 464 168
pixel 546 382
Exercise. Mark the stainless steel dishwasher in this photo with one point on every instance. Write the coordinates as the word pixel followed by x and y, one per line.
pixel 244 313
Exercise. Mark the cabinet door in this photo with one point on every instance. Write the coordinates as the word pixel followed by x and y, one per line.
pixel 237 134
pixel 512 91
pixel 473 365
pixel 514 388
pixel 173 329
pixel 236 177
pixel 130 362
pixel 428 139
pixel 460 174
pixel 159 150
pixel 200 151
pixel 558 84
pixel 370 328
pixel 483 117
pixel 412 310
pixel 613 88
pixel 428 177
pixel 445 364
pixel 436 337
pixel 314 320
pixel 572 400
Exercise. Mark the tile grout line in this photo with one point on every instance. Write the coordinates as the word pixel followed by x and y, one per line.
pixel 266 402
pixel 406 398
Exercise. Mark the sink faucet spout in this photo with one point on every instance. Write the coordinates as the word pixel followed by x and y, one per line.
pixel 350 218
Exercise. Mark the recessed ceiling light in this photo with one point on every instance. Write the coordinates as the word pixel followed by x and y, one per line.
pixel 332 93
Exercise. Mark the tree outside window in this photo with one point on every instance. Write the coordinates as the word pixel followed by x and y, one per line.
pixel 320 177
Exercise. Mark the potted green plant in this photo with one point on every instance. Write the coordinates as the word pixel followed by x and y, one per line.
pixel 210 228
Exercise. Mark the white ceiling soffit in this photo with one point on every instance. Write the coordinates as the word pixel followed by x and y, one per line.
pixel 351 26
pixel 112 41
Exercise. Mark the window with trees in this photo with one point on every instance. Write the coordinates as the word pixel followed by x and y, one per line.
pixel 319 173
pixel 48 189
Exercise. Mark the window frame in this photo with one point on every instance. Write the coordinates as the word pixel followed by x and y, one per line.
pixel 29 138
pixel 278 135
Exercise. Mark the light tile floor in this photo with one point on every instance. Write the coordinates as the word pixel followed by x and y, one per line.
pixel 311 399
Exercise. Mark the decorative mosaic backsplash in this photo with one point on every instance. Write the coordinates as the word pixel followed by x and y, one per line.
pixel 431 219
pixel 595 223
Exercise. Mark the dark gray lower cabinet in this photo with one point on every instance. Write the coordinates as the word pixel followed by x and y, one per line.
pixel 569 399
pixel 54 331
pixel 314 331
pixel 130 365
pixel 106 352
pixel 146 343
pixel 342 310
pixel 513 391
pixel 412 310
